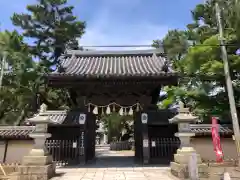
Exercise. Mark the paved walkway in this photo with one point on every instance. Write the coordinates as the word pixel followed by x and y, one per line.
pixel 115 174
pixel 114 166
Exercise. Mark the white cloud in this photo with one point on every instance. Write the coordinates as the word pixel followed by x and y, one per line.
pixel 136 34
pixel 106 29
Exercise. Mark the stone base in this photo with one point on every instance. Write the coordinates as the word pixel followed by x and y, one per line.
pixel 183 155
pixel 38 152
pixel 186 150
pixel 184 158
pixel 37 160
pixel 179 167
pixel 181 170
pixel 34 172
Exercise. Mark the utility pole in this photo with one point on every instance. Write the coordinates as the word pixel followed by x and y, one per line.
pixel 228 82
pixel 2 68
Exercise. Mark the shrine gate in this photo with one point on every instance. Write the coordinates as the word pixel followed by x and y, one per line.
pixel 121 81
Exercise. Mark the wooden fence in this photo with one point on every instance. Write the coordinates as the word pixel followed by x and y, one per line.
pixel 67 151
pixel 162 149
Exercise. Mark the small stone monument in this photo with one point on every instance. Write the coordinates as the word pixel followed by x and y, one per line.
pixel 43 108
pixel 179 167
pixel 98 139
pixel 38 164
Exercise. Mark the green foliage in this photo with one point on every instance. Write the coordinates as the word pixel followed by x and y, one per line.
pixel 116 124
pixel 18 88
pixel 53 28
pixel 202 86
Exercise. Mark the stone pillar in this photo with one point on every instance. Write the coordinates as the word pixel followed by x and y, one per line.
pixel 38 164
pixel 179 167
pixel 97 140
pixel 105 138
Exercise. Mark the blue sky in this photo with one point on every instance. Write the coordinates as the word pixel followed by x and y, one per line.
pixel 117 22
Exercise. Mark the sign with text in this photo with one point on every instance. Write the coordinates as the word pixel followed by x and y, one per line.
pixel 145 143
pixel 144 118
pixel 82 118
pixel 153 144
pixel 74 145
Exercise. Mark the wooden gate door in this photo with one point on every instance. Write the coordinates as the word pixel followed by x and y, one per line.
pixel 66 144
pixel 155 141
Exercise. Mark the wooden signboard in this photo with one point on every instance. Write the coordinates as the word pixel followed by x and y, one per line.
pixel 74 145
pixel 153 144
pixel 145 143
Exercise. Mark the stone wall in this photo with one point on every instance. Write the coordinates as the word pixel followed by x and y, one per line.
pixel 2 150
pixel 204 147
pixel 19 148
pixel 16 149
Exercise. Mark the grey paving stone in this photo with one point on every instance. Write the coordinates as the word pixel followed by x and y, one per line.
pixel 114 168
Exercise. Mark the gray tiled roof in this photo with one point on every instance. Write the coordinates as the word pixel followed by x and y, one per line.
pixel 62 117
pixel 113 64
pixel 16 131
pixel 205 129
pixel 56 117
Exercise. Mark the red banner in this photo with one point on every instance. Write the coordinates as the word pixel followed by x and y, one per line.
pixel 216 140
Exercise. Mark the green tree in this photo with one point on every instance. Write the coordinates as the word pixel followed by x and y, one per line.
pixel 19 79
pixel 207 66
pixel 205 61
pixel 202 85
pixel 52 26
pixel 175 45
pixel 116 124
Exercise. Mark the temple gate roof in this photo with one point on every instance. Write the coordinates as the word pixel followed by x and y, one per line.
pixel 113 64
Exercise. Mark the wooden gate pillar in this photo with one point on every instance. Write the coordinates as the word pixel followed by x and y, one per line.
pixel 138 137
pixel 90 135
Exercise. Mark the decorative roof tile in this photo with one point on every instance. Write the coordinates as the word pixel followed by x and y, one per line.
pixel 16 131
pixel 109 64
pixel 62 117
pixel 205 129
pixel 56 117
pixel 23 131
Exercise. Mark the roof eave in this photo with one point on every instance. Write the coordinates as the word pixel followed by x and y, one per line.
pixel 158 51
pixel 61 76
pixel 167 79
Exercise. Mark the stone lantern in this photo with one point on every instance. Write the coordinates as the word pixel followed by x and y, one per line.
pixel 181 159
pixel 39 136
pixel 183 119
pixel 38 164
